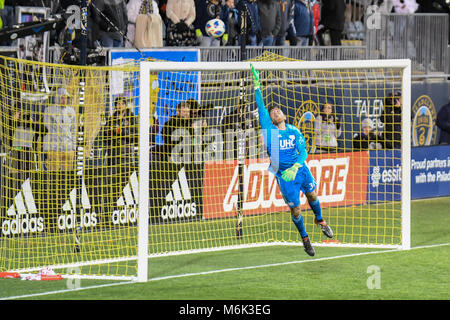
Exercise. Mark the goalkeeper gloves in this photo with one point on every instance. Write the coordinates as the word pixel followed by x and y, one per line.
pixel 289 174
pixel 256 82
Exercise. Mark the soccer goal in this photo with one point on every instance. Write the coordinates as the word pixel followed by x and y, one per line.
pixel 184 170
pixel 219 166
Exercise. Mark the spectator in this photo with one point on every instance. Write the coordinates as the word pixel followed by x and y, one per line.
pixel 443 123
pixel 250 7
pixel 327 127
pixel 120 134
pixel 171 135
pixel 392 119
pixel 8 18
pixel 180 18
pixel 270 18
pixel 230 16
pixel 302 26
pixel 111 18
pixel 385 6
pixel 133 9
pixel 230 126
pixel 206 10
pixel 60 142
pixel 405 6
pixel 367 139
pixel 286 16
pixel 120 141
pixel 433 6
pixel 24 139
pixel 332 19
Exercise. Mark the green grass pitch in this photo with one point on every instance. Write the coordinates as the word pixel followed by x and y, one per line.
pixel 281 272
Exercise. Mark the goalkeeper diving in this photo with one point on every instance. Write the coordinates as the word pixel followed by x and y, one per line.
pixel 287 151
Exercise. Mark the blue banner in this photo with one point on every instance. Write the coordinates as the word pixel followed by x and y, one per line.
pixel 430 172
pixel 385 176
pixel 167 88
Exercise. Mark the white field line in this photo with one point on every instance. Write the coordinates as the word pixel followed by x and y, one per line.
pixel 218 271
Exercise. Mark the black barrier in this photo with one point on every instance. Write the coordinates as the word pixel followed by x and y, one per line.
pixel 176 192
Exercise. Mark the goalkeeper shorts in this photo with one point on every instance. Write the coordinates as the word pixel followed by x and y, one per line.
pixel 304 181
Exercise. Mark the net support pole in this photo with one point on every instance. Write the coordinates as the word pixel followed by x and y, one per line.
pixel 241 133
pixel 80 132
pixel 406 156
pixel 144 163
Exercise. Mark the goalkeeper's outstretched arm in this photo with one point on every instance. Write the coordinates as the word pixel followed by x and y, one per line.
pixel 264 117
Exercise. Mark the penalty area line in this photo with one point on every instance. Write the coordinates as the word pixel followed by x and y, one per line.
pixel 185 275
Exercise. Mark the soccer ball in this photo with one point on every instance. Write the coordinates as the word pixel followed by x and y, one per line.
pixel 215 28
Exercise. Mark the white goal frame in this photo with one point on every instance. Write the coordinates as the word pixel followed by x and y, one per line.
pixel 146 67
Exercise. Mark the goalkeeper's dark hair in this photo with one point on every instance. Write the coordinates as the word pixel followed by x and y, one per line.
pixel 274 106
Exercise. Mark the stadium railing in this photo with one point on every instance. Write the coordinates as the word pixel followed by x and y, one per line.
pixel 419 37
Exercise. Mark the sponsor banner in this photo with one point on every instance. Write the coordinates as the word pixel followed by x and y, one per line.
pixel 175 192
pixel 430 171
pixel 385 176
pixel 341 180
pixel 37 202
pixel 166 89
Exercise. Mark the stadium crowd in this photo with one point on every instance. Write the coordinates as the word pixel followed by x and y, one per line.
pixel 182 22
pixel 113 23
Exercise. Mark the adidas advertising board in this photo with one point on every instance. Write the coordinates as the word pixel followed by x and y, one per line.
pixel 127 204
pixel 22 215
pixel 87 218
pixel 176 192
pixel 40 202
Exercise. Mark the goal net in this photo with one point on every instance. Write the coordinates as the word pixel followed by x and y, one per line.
pixel 208 176
pixel 93 192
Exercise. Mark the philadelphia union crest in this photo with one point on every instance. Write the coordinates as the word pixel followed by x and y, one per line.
pixel 304 121
pixel 424 131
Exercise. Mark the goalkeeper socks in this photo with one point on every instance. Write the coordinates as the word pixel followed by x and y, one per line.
pixel 315 206
pixel 300 226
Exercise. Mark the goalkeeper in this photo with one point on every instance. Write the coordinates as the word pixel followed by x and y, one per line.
pixel 287 151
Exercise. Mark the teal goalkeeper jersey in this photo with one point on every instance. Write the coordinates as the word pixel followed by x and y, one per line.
pixel 284 147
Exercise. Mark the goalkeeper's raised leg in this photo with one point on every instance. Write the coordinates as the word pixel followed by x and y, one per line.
pixel 286 148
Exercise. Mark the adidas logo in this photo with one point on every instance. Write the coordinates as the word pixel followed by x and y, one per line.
pixel 180 199
pixel 86 218
pixel 128 202
pixel 21 212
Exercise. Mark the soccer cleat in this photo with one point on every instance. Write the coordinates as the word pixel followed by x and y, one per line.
pixel 326 229
pixel 308 247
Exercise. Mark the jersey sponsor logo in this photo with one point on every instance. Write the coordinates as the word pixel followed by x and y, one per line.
pixel 85 218
pixel 424 132
pixel 127 203
pixel 286 144
pixel 179 201
pixel 22 213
